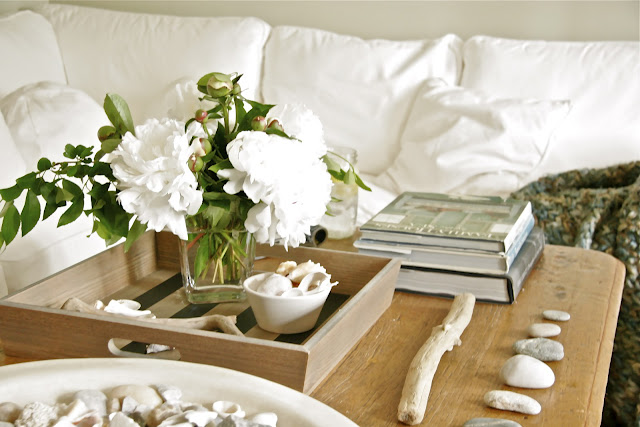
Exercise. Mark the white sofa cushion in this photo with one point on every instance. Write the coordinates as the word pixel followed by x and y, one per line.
pixel 360 89
pixel 29 50
pixel 11 163
pixel 462 141
pixel 601 79
pixel 137 55
pixel 44 117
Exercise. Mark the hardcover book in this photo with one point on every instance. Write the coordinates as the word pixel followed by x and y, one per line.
pixel 502 288
pixel 455 221
pixel 469 260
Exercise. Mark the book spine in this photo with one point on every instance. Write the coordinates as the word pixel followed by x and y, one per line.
pixel 525 261
pixel 518 243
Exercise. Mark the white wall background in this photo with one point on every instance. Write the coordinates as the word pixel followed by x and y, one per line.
pixel 547 20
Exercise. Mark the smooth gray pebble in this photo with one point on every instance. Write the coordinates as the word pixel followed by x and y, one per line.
pixel 557 315
pixel 542 349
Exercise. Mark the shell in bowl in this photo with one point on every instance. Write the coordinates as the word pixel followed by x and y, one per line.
pixel 294 311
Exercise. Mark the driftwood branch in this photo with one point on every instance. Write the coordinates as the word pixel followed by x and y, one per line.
pixel 417 386
pixel 226 324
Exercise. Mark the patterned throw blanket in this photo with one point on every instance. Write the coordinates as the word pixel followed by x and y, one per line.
pixel 600 209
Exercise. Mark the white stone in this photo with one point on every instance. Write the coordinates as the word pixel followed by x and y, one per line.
pixel 541 348
pixel 511 401
pixel 142 394
pixel 527 372
pixel 9 411
pixel 544 330
pixel 557 315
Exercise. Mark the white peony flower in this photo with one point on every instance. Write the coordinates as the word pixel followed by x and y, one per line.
pixel 152 175
pixel 301 123
pixel 285 178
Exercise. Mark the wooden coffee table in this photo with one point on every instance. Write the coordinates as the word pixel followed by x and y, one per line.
pixel 366 385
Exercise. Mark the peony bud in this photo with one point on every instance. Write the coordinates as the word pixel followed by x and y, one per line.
pixel 219 85
pixel 275 124
pixel 259 123
pixel 195 163
pixel 201 115
pixel 206 145
pixel 236 89
pixel 106 132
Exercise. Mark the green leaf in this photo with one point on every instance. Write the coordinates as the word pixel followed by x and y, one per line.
pixel 118 113
pixel 30 212
pixel 10 224
pixel 11 193
pixel 72 213
pixel 349 178
pixel 49 209
pixel 72 188
pixel 44 164
pixel 70 151
pixel 331 163
pixel 110 144
pixel 361 183
pixel 26 181
pixel 202 255
pixel 137 229
pixel 225 164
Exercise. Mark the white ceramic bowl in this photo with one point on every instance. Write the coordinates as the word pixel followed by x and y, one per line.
pixel 284 315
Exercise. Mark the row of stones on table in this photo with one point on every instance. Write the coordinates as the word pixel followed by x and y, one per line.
pixel 527 369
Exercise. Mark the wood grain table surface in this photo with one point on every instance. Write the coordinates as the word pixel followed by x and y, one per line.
pixel 366 385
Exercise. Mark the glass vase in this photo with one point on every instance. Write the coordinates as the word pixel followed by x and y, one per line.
pixel 214 263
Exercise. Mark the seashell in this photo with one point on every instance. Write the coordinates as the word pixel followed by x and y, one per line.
pixel 315 282
pixel 274 284
pixel 201 418
pixel 293 292
pixel 9 411
pixel 161 413
pixel 116 307
pixel 129 303
pixel 265 418
pixel 303 269
pixel 141 393
pixel 225 408
pixel 286 267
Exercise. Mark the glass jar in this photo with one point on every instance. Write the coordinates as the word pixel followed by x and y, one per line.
pixel 340 220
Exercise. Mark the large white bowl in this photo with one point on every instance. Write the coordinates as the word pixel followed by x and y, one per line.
pixel 52 381
pixel 284 315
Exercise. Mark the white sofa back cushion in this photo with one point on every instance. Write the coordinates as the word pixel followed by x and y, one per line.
pixel 29 50
pixel 138 55
pixel 360 89
pixel 44 117
pixel 601 79
pixel 463 141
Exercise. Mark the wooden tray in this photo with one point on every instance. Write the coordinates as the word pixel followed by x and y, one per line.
pixel 33 326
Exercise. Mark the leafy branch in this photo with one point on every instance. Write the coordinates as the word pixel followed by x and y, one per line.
pixel 81 180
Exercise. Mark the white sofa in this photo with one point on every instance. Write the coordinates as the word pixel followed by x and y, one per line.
pixel 482 115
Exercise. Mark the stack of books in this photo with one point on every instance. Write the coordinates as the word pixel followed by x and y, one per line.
pixel 454 244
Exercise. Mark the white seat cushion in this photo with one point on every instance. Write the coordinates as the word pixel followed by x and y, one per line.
pixel 44 117
pixel 601 79
pixel 137 55
pixel 29 51
pixel 360 89
pixel 463 141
